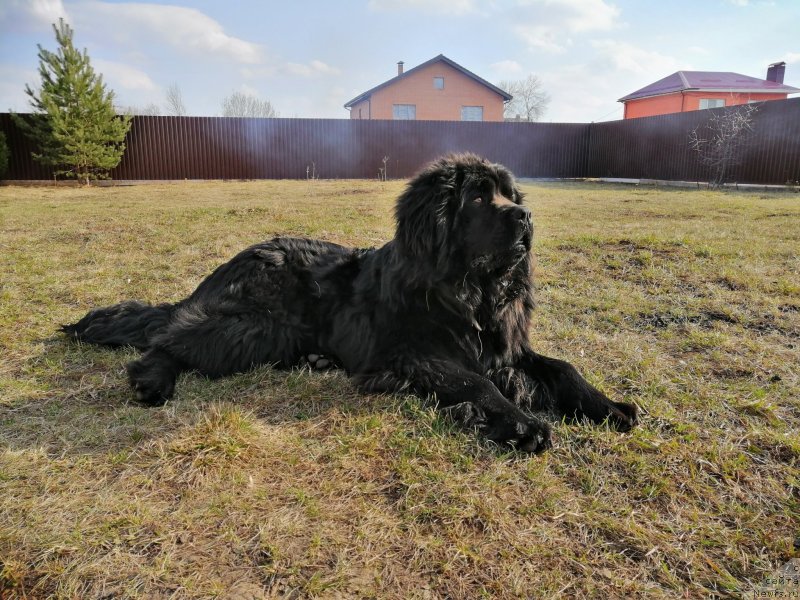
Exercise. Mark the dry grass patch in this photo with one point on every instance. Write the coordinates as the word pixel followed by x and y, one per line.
pixel 291 484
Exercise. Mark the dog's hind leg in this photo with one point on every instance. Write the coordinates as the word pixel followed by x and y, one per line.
pixel 153 377
pixel 215 344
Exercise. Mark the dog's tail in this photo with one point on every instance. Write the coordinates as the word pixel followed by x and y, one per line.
pixel 128 323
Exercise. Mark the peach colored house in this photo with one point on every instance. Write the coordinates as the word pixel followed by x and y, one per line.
pixel 437 90
pixel 695 90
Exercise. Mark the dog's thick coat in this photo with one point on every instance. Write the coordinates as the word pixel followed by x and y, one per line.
pixel 441 310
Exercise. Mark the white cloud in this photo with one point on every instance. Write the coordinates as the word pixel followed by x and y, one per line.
pixel 792 58
pixel 627 58
pixel 588 90
pixel 249 90
pixel 186 29
pixel 47 11
pixel 507 68
pixel 119 75
pixel 12 87
pixel 584 15
pixel 549 24
pixel 315 67
pixel 543 37
pixel 31 15
pixel 445 7
pixel 258 72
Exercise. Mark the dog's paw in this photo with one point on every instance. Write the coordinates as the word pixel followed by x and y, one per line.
pixel 466 414
pixel 523 433
pixel 319 362
pixel 624 416
pixel 151 387
pixel 535 436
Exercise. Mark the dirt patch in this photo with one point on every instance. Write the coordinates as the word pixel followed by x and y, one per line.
pixel 247 211
pixel 730 284
pixel 701 319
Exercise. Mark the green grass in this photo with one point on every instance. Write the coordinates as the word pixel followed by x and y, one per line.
pixel 291 483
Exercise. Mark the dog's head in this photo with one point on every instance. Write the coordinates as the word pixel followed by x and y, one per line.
pixel 462 213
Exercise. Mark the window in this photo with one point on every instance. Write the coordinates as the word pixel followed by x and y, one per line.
pixel 472 113
pixel 404 111
pixel 711 103
pixel 438 83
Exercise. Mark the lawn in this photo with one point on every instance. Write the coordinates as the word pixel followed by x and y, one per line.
pixel 277 483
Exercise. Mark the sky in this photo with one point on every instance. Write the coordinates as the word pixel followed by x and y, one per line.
pixel 308 58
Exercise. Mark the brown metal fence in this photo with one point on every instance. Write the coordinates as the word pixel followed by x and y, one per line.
pixel 232 148
pixel 658 148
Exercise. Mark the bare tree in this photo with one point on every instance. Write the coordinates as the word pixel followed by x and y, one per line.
pixel 175 105
pixel 530 99
pixel 239 104
pixel 150 110
pixel 719 143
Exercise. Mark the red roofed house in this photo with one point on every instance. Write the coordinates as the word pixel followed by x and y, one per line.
pixel 436 90
pixel 694 90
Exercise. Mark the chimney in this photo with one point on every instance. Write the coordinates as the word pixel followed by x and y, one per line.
pixel 776 71
pixel 400 68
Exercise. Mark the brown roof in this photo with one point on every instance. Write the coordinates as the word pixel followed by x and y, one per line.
pixel 506 96
pixel 709 81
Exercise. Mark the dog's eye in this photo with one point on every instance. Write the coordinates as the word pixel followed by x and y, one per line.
pixel 478 200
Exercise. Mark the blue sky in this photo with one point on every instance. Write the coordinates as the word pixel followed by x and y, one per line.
pixel 309 58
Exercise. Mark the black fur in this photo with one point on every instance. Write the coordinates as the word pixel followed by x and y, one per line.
pixel 441 310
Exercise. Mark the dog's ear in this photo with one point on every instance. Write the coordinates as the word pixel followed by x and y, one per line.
pixel 424 209
pixel 509 183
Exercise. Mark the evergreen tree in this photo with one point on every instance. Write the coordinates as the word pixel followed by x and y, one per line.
pixel 74 124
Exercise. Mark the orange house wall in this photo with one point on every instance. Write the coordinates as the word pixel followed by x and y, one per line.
pixel 360 110
pixel 432 104
pixel 672 103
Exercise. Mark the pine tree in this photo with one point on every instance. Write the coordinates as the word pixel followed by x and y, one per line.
pixel 74 124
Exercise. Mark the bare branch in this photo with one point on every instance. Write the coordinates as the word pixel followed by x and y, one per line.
pixel 530 99
pixel 239 104
pixel 175 105
pixel 719 143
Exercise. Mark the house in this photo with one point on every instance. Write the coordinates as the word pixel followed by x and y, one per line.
pixel 695 90
pixel 437 90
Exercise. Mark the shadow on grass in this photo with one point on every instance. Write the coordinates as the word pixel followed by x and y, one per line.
pixel 77 402
pixel 74 398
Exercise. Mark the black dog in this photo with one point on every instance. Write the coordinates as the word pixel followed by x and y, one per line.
pixel 441 310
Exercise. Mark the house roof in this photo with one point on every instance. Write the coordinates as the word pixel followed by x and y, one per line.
pixel 709 81
pixel 506 96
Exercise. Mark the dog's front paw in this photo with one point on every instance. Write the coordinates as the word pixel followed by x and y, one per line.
pixel 523 433
pixel 319 362
pixel 466 414
pixel 624 416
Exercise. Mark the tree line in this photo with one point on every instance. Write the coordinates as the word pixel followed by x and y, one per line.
pixel 238 104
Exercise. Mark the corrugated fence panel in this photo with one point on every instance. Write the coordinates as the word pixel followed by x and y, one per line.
pixel 658 147
pixel 236 148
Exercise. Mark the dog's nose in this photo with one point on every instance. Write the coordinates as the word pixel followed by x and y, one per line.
pixel 521 213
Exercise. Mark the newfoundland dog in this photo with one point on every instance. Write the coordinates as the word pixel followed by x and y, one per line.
pixel 441 311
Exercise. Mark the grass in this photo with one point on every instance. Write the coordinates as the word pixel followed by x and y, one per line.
pixel 292 484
